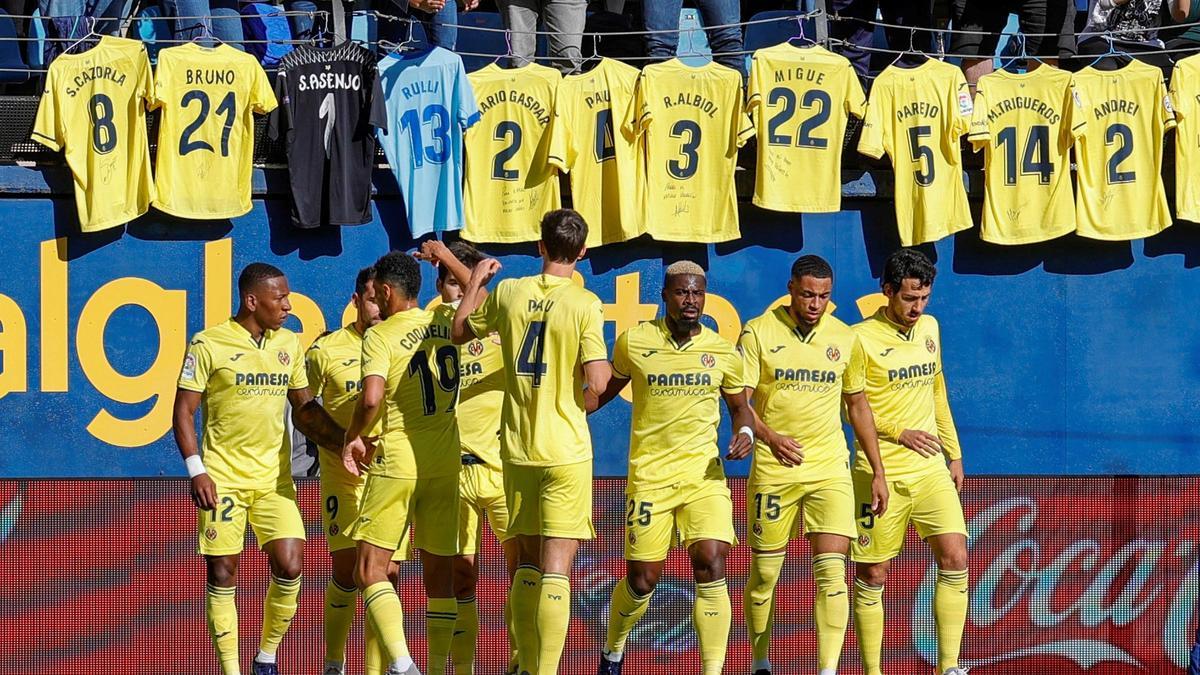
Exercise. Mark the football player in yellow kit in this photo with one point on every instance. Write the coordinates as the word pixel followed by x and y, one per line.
pixel 919 446
pixel 243 371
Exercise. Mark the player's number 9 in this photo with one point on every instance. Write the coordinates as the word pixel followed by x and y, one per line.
pixel 228 108
pixel 104 132
pixel 690 132
pixel 1122 153
pixel 511 132
pixel 446 359
pixel 813 98
pixel 921 154
pixel 331 507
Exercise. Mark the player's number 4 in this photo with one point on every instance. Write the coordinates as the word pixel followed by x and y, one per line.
pixel 531 358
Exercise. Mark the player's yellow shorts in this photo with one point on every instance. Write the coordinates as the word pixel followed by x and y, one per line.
pixel 480 491
pixel 929 502
pixel 775 513
pixel 551 501
pixel 339 511
pixel 271 512
pixel 390 505
pixel 656 519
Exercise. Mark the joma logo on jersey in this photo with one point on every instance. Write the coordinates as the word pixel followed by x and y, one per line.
pixel 678 379
pixel 918 370
pixel 806 375
pixel 262 379
pixel 540 305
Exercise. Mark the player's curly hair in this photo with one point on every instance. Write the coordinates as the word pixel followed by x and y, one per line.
pixel 564 232
pixel 811 266
pixel 401 271
pixel 254 274
pixel 466 254
pixel 365 275
pixel 907 263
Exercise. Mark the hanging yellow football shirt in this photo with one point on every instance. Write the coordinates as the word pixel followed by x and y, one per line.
pixel 907 390
pixel 917 116
pixel 1026 124
pixel 412 352
pixel 800 99
pixel 334 367
pixel 1185 97
pixel 94 109
pixel 206 132
pixel 798 382
pixel 676 403
pixel 510 183
pixel 1121 194
pixel 689 123
pixel 480 394
pixel 587 142
pixel 244 384
pixel 548 327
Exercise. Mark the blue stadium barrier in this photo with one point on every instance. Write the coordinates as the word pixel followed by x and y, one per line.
pixel 12 65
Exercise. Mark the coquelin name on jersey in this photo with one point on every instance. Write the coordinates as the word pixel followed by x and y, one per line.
pixel 530 103
pixel 418 335
pixel 1041 108
pixel 95 73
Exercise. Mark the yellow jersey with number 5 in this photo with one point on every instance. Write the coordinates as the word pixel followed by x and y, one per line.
pixel 93 108
pixel 549 326
pixel 208 99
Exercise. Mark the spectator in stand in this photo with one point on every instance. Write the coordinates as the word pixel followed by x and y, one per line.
pixel 438 17
pixel 225 23
pixel 661 18
pixel 563 19
pixel 1131 26
pixel 1184 38
pixel 990 16
pixel 856 32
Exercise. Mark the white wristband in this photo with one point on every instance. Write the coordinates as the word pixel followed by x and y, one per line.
pixel 195 466
pixel 748 431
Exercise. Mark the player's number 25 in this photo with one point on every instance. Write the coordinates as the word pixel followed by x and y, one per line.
pixel 813 98
pixel 689 132
pixel 104 132
pixel 228 108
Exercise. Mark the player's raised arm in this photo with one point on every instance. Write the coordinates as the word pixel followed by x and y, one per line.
pixel 204 491
pixel 461 331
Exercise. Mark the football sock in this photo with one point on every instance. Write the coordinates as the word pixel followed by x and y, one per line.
pixel 278 609
pixel 440 616
pixel 512 638
pixel 831 607
pixel 868 624
pixel 383 610
pixel 759 604
pixel 523 604
pixel 466 633
pixel 553 620
pixel 221 609
pixel 624 611
pixel 950 615
pixel 375 659
pixel 711 615
pixel 339 615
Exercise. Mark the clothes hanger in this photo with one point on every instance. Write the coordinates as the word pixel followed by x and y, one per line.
pixel 1112 51
pixel 206 32
pixel 91 22
pixel 508 48
pixel 801 36
pixel 594 57
pixel 912 48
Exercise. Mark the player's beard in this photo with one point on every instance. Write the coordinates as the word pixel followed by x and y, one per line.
pixel 687 325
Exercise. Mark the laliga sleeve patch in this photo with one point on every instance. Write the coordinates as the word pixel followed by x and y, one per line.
pixel 964 103
pixel 189 368
pixel 1167 104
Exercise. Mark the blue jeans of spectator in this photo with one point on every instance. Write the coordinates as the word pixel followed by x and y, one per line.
pixel 441 27
pixel 563 19
pixel 661 18
pixel 855 30
pixel 108 13
pixel 226 24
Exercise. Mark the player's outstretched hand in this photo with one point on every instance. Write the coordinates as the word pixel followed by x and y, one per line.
pixel 485 271
pixel 785 449
pixel 879 495
pixel 921 442
pixel 956 474
pixel 431 251
pixel 204 492
pixel 356 455
pixel 740 446
pixel 469 5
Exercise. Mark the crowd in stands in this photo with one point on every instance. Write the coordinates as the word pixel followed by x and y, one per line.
pixel 1061 31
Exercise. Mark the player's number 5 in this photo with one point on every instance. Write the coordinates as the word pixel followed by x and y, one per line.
pixel 921 154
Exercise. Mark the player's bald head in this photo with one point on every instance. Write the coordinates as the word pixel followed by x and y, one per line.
pixel 255 275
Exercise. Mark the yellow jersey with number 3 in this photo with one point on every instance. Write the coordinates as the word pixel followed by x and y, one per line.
pixel 676 403
pixel 800 99
pixel 509 182
pixel 798 382
pixel 549 326
pixel 1185 97
pixel 244 385
pixel 1026 124
pixel 917 116
pixel 93 108
pixel 412 352
pixel 689 123
pixel 907 390
pixel 206 132
pixel 1121 194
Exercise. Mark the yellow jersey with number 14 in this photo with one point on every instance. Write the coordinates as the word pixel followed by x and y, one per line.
pixel 689 123
pixel 917 116
pixel 509 181
pixel 800 99
pixel 206 134
pixel 93 108
pixel 548 327
pixel 1185 96
pixel 1026 124
pixel 676 403
pixel 1121 194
